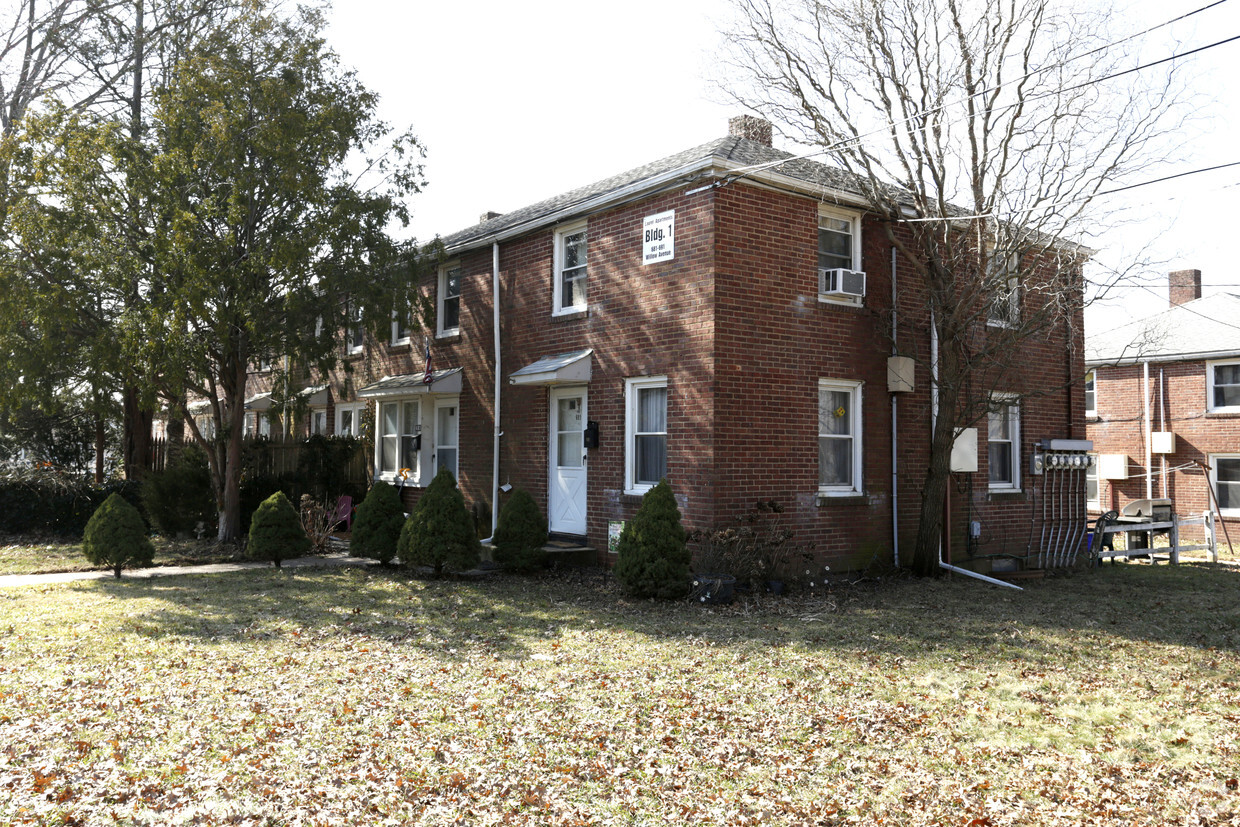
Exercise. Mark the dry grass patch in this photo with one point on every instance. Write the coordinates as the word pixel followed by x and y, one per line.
pixel 359 696
pixel 37 555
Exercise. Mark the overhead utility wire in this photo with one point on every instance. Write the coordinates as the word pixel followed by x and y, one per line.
pixel 743 171
pixel 1070 200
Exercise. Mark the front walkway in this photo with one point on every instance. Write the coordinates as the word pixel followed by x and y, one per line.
pixel 335 559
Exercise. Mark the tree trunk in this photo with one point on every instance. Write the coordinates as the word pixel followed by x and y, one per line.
pixel 101 445
pixel 233 431
pixel 136 442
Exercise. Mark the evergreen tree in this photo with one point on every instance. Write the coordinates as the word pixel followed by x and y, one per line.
pixel 116 536
pixel 440 532
pixel 521 534
pixel 276 533
pixel 652 553
pixel 377 526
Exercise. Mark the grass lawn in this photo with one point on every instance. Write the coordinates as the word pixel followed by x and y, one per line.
pixel 352 696
pixel 30 555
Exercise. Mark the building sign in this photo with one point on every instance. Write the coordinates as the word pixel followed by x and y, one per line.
pixel 659 237
pixel 614 528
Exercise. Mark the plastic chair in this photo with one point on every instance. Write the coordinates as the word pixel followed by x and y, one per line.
pixel 344 512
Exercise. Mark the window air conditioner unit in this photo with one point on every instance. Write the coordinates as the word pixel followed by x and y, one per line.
pixel 841 282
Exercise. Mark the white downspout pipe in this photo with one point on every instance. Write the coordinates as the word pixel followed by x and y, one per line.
pixel 499 386
pixel 895 479
pixel 934 418
pixel 1149 439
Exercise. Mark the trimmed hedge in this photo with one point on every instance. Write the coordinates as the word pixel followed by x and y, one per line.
pixel 521 534
pixel 652 555
pixel 115 537
pixel 39 501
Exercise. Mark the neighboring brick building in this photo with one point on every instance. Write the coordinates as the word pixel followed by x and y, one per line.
pixel 732 338
pixel 1164 398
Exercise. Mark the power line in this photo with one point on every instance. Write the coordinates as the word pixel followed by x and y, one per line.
pixel 744 171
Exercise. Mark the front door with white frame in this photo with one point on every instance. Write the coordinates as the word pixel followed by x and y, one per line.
pixel 566 500
pixel 447 432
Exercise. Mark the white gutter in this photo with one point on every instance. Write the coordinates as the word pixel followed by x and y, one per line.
pixel 1161 357
pixel 895 479
pixel 1149 439
pixel 934 418
pixel 499 385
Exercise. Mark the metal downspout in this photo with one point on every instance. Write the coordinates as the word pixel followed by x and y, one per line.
pixel 499 385
pixel 1149 439
pixel 895 480
pixel 934 416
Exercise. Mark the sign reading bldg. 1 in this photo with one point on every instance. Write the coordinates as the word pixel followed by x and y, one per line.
pixel 659 237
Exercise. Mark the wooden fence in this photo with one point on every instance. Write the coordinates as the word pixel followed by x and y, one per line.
pixel 282 456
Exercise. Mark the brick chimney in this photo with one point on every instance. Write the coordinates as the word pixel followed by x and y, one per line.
pixel 1185 285
pixel 488 215
pixel 753 128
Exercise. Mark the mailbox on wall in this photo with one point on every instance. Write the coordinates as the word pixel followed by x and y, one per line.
pixel 591 434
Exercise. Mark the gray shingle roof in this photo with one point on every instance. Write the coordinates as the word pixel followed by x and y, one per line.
pixel 738 151
pixel 1202 328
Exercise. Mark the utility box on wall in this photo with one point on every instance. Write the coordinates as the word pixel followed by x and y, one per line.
pixel 899 374
pixel 964 452
pixel 1112 466
pixel 1162 442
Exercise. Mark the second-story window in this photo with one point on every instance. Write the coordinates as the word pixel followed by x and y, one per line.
pixel 570 268
pixel 354 334
pixel 449 301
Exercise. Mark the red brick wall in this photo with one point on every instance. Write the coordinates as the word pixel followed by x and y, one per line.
pixel 1179 388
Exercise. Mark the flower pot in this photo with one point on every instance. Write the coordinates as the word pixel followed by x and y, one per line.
pixel 713 589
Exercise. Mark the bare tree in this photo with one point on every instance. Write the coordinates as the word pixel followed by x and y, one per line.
pixel 982 133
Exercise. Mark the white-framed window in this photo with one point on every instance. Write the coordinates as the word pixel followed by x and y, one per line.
pixel 1004 276
pixel 402 328
pixel 349 419
pixel 1093 502
pixel 570 268
pixel 1003 443
pixel 355 333
pixel 448 310
pixel 447 435
pixel 1223 387
pixel 398 425
pixel 1225 477
pixel 318 421
pixel 264 364
pixel 1091 393
pixel 839 246
pixel 839 437
pixel 645 431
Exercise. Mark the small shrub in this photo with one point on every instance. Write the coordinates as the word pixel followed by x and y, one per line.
pixel 521 534
pixel 275 532
pixel 440 532
pixel 116 537
pixel 377 524
pixel 181 496
pixel 754 548
pixel 317 521
pixel 652 555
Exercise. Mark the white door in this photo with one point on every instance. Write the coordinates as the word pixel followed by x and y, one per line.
pixel 566 500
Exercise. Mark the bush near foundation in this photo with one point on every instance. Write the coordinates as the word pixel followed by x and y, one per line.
pixel 652 554
pixel 115 537
pixel 440 532
pixel 521 534
pixel 377 524
pixel 276 533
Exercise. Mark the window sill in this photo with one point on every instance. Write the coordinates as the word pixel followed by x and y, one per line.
pixel 846 498
pixel 1006 494
pixel 838 301
pixel 354 354
pixel 570 315
pixel 1223 413
pixel 448 335
pixel 632 497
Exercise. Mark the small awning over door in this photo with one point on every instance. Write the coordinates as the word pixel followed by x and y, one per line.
pixel 442 381
pixel 563 369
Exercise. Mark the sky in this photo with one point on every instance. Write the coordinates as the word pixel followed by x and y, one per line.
pixel 516 102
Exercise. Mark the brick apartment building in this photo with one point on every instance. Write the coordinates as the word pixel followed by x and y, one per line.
pixel 1163 394
pixel 728 332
